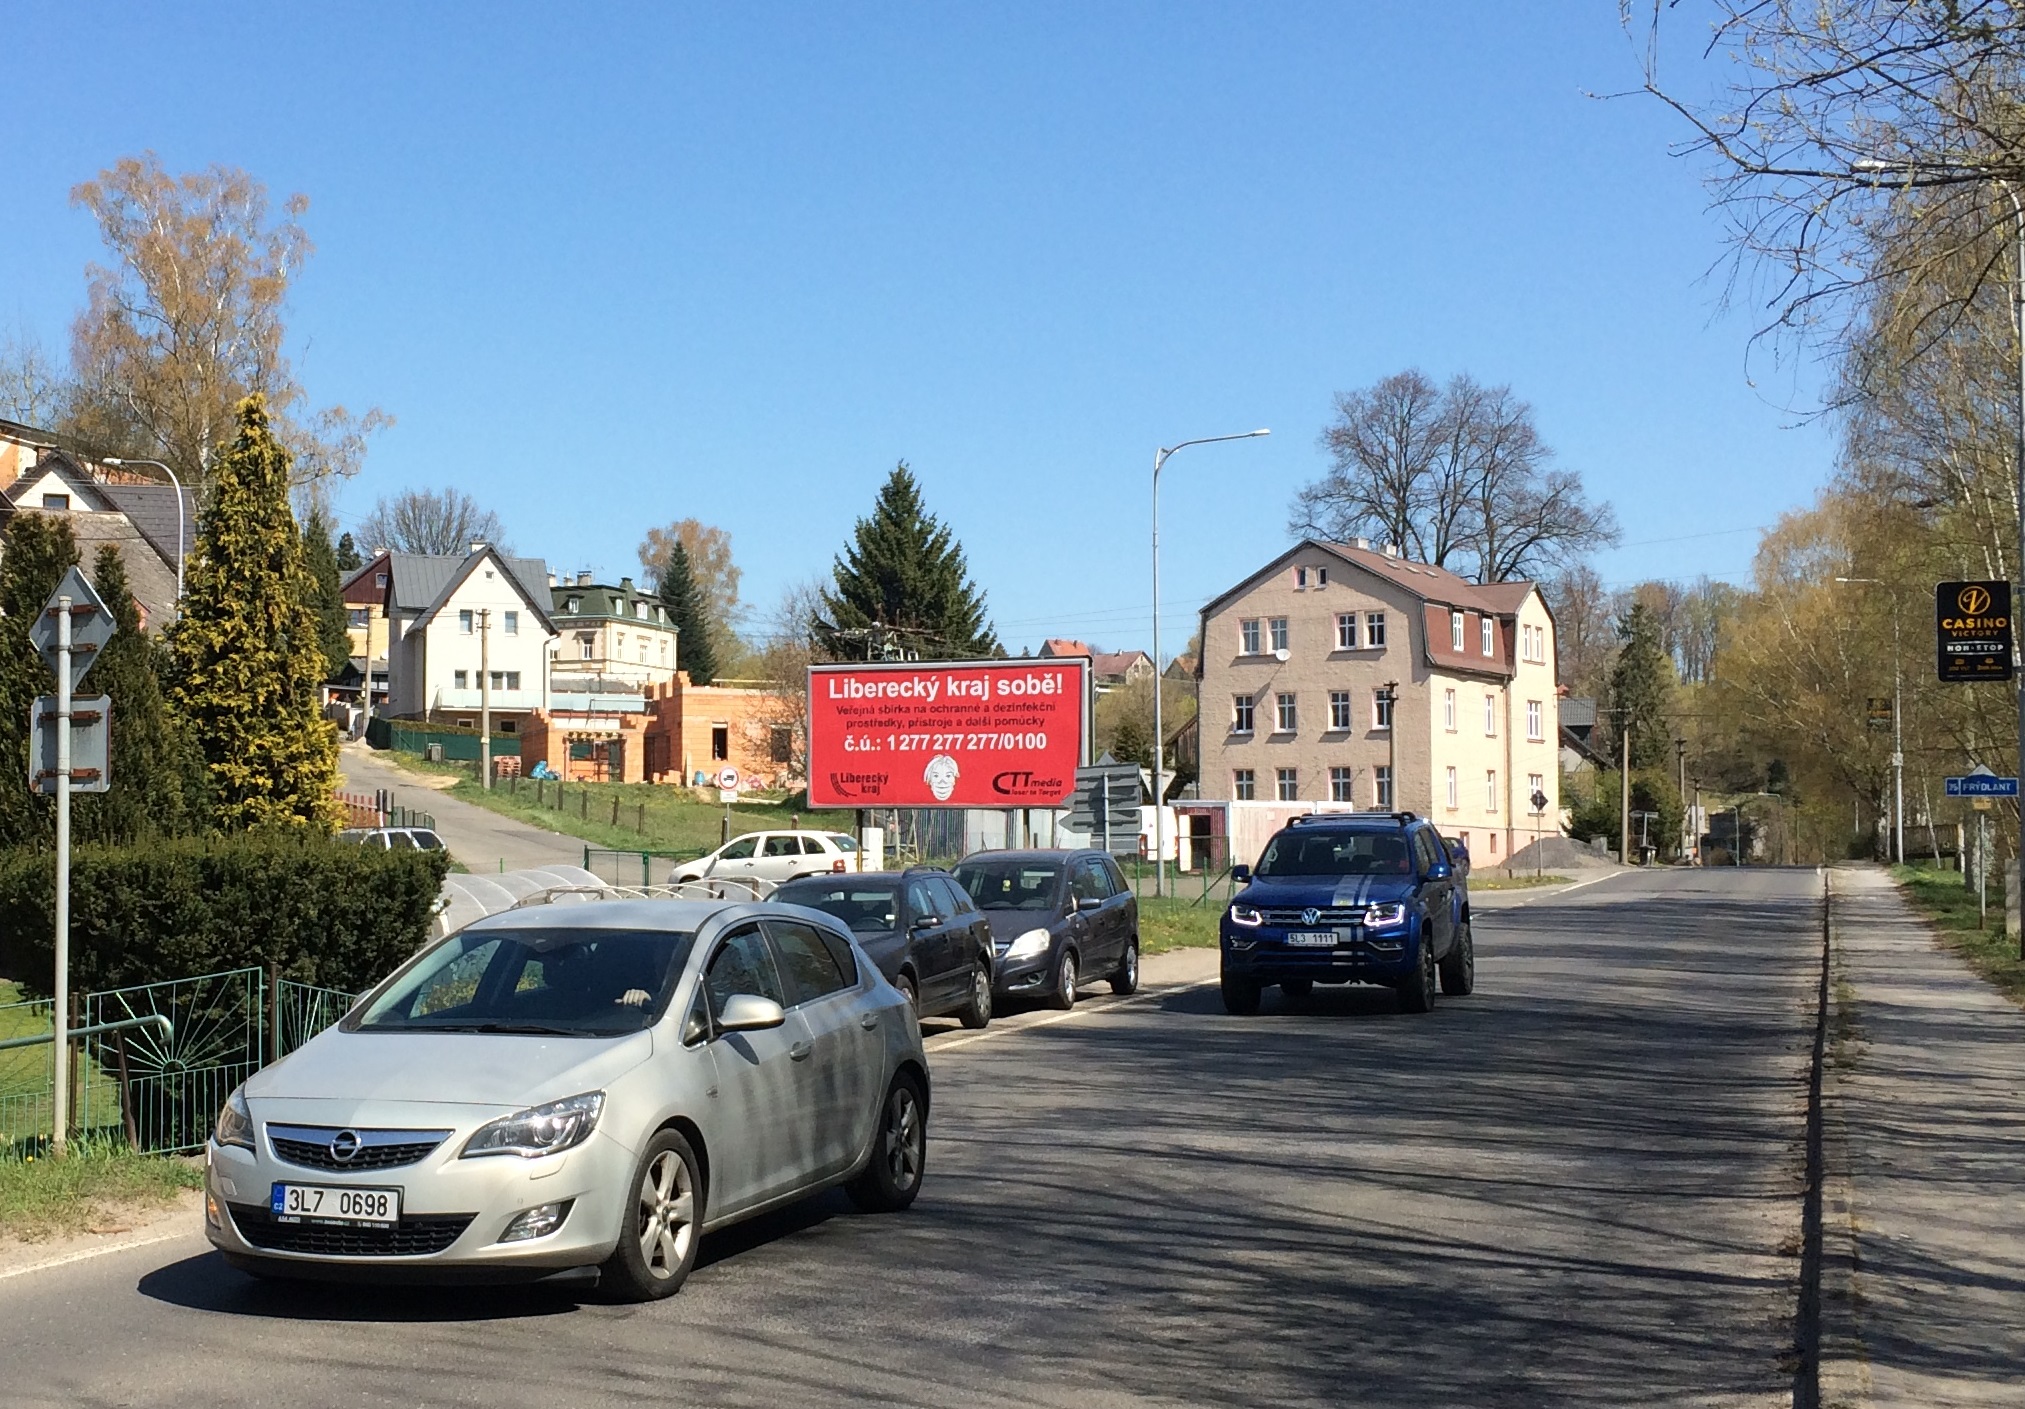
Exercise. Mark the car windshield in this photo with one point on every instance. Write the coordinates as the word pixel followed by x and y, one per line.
pixel 578 981
pixel 866 908
pixel 1010 885
pixel 1335 853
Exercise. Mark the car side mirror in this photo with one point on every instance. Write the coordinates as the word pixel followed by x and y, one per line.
pixel 748 1012
pixel 1438 871
pixel 1241 873
pixel 927 922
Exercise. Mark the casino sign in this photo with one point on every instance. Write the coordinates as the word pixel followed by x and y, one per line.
pixel 1972 624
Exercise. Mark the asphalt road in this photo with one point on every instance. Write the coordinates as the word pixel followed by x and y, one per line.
pixel 1579 1187
pixel 481 840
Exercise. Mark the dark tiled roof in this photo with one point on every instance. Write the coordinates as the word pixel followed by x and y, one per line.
pixel 419 580
pixel 152 508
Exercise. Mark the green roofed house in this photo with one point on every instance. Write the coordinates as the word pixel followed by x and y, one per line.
pixel 610 638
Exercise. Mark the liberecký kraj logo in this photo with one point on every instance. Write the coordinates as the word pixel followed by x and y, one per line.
pixel 940 775
pixel 856 784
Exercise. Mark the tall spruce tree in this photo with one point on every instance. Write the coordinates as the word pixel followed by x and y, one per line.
pixel 327 594
pixel 695 643
pixel 349 559
pixel 248 661
pixel 35 552
pixel 156 785
pixel 1641 690
pixel 904 570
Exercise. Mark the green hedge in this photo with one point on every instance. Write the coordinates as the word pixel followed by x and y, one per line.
pixel 319 911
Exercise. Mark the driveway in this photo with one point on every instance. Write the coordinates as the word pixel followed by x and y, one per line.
pixel 481 840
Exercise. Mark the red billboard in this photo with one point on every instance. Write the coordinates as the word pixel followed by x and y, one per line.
pixel 1005 733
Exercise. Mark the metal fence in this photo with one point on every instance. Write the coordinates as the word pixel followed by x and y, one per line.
pixel 26 1090
pixel 634 868
pixel 299 1011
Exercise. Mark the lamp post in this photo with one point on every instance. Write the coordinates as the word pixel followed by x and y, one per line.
pixel 1159 733
pixel 182 547
pixel 1897 734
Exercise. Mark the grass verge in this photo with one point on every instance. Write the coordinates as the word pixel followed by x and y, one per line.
pixel 651 816
pixel 1951 908
pixel 1515 882
pixel 90 1190
pixel 1175 923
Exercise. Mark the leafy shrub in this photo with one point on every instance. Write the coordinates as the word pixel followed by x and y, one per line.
pixel 317 911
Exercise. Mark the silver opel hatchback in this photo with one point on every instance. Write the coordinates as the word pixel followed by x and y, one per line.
pixel 576 1086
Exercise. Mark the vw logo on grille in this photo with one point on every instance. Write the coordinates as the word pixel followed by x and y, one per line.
pixel 344 1146
pixel 1311 916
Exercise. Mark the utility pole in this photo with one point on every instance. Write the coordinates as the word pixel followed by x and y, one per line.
pixel 484 697
pixel 1624 791
pixel 1392 743
pixel 60 1008
pixel 1680 760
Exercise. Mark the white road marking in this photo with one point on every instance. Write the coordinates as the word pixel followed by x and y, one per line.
pixel 1557 893
pixel 1078 1011
pixel 87 1254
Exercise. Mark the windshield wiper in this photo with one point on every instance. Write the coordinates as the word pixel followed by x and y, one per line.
pixel 520 1029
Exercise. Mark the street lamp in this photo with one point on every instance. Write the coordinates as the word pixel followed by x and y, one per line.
pixel 180 548
pixel 1159 734
pixel 1920 173
pixel 1897 734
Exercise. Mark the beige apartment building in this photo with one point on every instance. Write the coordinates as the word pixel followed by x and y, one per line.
pixel 1344 674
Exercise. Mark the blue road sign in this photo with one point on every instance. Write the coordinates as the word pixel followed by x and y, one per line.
pixel 1982 785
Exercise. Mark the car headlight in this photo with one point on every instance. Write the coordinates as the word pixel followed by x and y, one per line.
pixel 1030 945
pixel 540 1130
pixel 1246 915
pixel 235 1122
pixel 1385 917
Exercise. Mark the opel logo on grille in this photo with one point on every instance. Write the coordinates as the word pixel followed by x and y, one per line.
pixel 1310 915
pixel 344 1146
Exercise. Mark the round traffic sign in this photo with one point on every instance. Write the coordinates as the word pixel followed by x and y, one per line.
pixel 727 778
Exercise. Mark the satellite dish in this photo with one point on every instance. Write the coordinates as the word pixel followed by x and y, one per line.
pixel 1280 654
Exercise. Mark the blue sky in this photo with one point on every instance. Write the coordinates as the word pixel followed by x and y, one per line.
pixel 613 266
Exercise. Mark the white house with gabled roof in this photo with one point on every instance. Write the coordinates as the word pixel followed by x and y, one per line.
pixel 450 621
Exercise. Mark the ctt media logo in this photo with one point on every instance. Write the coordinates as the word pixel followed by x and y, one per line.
pixel 1025 783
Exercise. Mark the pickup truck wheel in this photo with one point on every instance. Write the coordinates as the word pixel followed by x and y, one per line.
pixel 1240 996
pixel 1459 969
pixel 1297 989
pixel 1416 991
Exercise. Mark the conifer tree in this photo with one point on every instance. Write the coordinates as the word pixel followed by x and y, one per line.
pixel 904 570
pixel 248 661
pixel 695 645
pixel 35 552
pixel 327 596
pixel 1641 689
pixel 154 770
pixel 349 559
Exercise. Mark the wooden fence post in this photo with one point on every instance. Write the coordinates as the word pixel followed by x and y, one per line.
pixel 615 812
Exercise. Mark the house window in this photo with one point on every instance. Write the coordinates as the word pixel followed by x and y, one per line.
pixel 499 680
pixel 359 616
pixel 1339 709
pixel 1346 631
pixel 1300 578
pixel 640 611
pixel 511 622
pixel 1452 789
pixel 464 623
pixel 1248 637
pixel 56 503
pixel 506 726
pixel 1287 784
pixel 1536 786
pixel 574 605
pixel 1311 577
pixel 664 653
pixel 1455 630
pixel 1535 721
pixel 1494 843
pixel 1284 707
pixel 1490 716
pixel 720 742
pixel 1374 628
pixel 460 679
pixel 1244 785
pixel 380 581
pixel 1241 714
pixel 1381 709
pixel 513 680
pixel 780 744
pixel 1321 577
pixel 1490 790
pixel 1341 781
pixel 1278 629
pixel 1381 787
pixel 1484 629
pixel 1448 710
pixel 587 645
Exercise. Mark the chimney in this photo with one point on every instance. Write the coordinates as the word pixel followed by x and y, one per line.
pixel 1392 550
pixel 477 545
pixel 1363 543
pixel 583 577
pixel 551 577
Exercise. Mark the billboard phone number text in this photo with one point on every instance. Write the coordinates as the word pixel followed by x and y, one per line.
pixel 941 743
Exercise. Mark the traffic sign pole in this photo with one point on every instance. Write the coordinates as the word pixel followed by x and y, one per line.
pixel 60 1113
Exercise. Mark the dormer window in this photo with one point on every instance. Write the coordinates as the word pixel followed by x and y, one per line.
pixel 56 503
pixel 1486 631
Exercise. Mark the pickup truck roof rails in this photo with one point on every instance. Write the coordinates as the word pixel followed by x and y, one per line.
pixel 1311 818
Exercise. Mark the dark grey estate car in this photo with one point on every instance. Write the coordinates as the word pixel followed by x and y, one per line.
pixel 1058 919
pixel 919 927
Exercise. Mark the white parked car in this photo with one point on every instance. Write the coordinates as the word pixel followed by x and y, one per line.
pixel 595 1086
pixel 772 856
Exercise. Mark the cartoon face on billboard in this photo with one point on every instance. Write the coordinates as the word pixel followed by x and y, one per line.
pixel 940 776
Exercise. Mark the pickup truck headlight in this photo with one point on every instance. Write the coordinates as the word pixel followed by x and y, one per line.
pixel 1246 915
pixel 539 1130
pixel 235 1122
pixel 1030 945
pixel 1385 917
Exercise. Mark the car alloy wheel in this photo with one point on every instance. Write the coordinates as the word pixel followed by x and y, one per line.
pixel 977 1012
pixel 667 1214
pixel 1066 979
pixel 1126 980
pixel 1416 993
pixel 905 983
pixel 892 1177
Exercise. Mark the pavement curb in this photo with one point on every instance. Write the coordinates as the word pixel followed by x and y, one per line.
pixel 1844 1367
